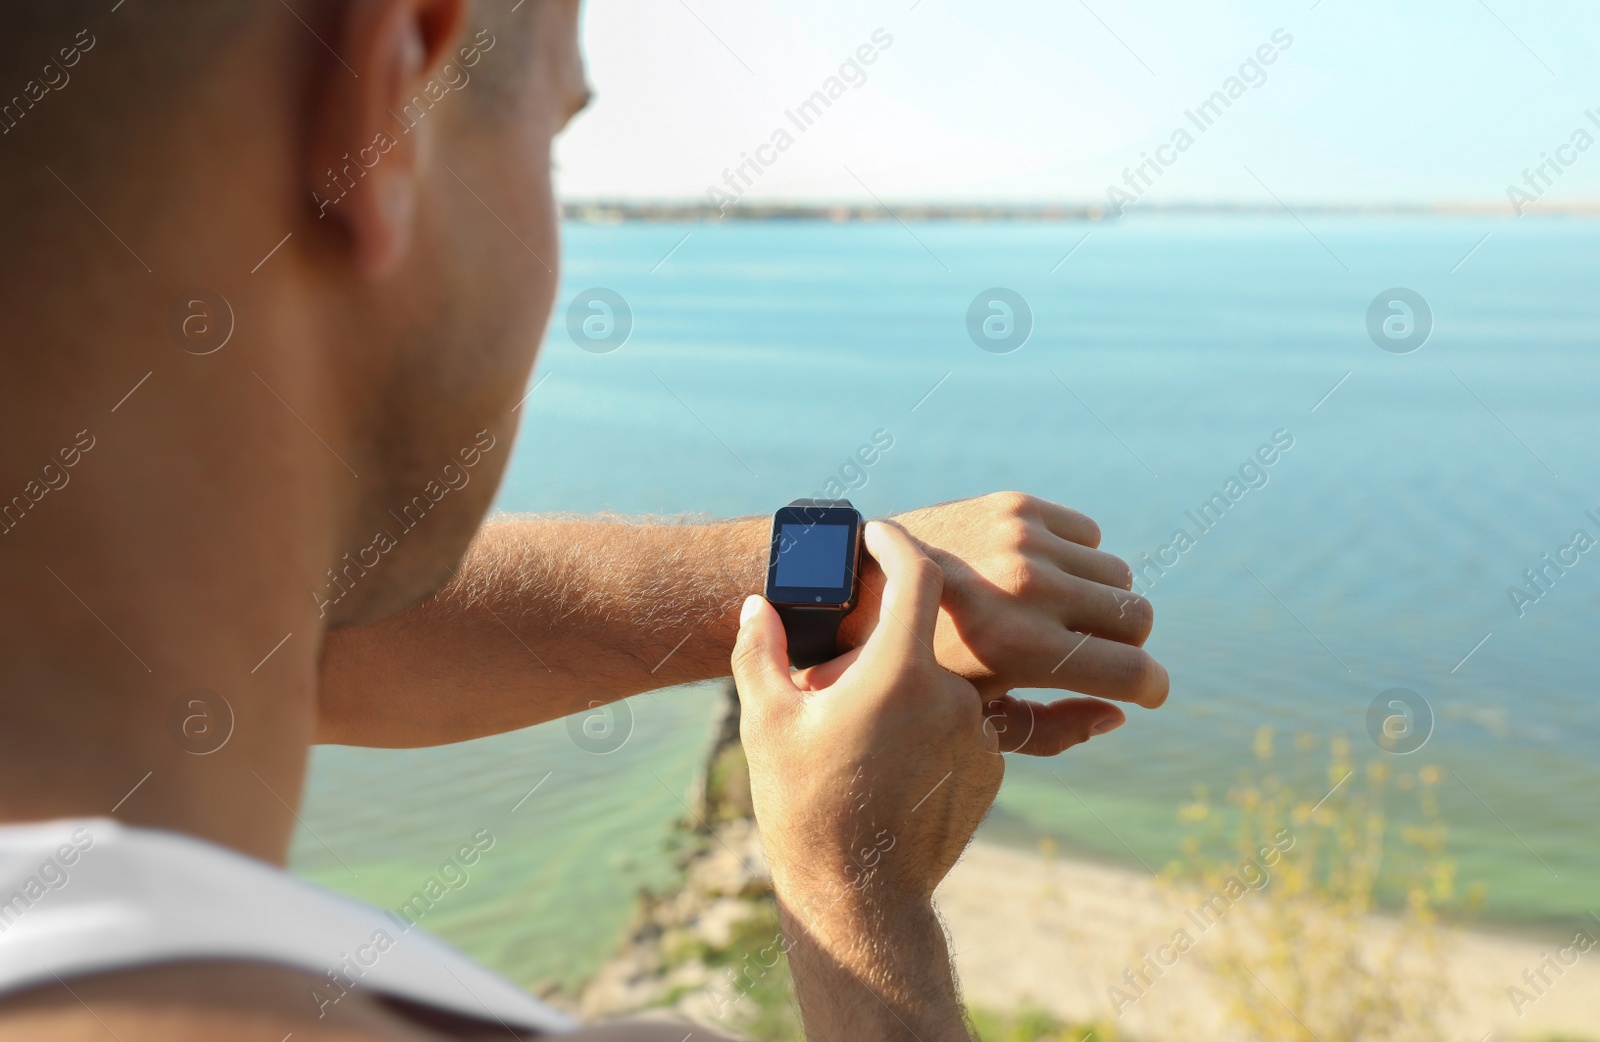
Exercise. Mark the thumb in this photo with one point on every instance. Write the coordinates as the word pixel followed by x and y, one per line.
pixel 761 657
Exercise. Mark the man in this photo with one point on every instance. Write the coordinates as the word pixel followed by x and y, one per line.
pixel 362 190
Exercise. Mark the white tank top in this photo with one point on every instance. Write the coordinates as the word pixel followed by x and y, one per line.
pixel 84 895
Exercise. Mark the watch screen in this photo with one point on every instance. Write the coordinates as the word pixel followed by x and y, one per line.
pixel 814 556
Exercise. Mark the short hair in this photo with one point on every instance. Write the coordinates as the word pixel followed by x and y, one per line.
pixel 159 51
pixel 153 47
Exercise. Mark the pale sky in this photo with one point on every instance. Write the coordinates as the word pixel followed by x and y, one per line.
pixel 1050 100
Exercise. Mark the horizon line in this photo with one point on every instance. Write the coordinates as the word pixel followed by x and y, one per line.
pixel 613 209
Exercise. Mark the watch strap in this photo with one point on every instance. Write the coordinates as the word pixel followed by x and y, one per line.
pixel 813 634
pixel 821 503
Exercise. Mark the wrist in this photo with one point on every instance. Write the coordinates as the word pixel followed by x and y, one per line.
pixel 847 904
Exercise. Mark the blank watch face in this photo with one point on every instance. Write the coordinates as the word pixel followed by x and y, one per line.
pixel 815 554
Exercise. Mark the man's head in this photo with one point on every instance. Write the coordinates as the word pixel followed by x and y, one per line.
pixel 272 279
pixel 397 152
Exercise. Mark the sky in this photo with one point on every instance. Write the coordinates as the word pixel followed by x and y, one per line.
pixel 1055 101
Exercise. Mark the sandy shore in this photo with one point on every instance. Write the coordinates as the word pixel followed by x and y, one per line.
pixel 1029 931
pixel 1058 934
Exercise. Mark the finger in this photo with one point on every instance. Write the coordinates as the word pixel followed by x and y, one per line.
pixel 1047 729
pixel 1104 611
pixel 761 658
pixel 912 586
pixel 1094 565
pixel 1069 524
pixel 824 674
pixel 1095 666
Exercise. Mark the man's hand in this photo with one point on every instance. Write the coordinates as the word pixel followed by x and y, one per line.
pixel 869 776
pixel 876 735
pixel 1029 602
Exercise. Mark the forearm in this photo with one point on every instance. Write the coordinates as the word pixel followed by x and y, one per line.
pixel 543 618
pixel 873 972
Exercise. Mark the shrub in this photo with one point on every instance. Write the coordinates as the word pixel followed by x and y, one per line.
pixel 1302 959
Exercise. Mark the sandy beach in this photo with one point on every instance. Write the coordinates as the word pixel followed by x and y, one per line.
pixel 1097 944
pixel 1058 934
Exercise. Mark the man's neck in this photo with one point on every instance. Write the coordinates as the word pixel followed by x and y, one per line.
pixel 158 640
pixel 106 710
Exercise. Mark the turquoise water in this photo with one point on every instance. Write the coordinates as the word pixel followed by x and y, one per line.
pixel 1377 555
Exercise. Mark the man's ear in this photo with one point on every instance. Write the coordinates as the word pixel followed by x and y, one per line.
pixel 371 141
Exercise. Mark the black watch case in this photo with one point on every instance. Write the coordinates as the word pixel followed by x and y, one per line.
pixel 815 558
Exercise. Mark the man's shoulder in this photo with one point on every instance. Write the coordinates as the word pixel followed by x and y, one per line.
pixel 204 1001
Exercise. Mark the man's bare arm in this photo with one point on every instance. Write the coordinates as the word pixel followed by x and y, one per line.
pixel 546 617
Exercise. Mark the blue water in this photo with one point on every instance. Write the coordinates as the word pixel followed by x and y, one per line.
pixel 1163 352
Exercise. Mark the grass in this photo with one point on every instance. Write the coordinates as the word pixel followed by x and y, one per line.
pixel 1031 1025
pixel 1297 960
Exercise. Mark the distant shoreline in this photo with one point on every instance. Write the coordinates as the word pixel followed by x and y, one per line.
pixel 613 211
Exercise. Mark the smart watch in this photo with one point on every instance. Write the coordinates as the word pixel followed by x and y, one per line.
pixel 813 574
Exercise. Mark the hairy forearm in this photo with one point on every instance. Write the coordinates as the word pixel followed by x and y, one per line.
pixel 873 972
pixel 543 618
